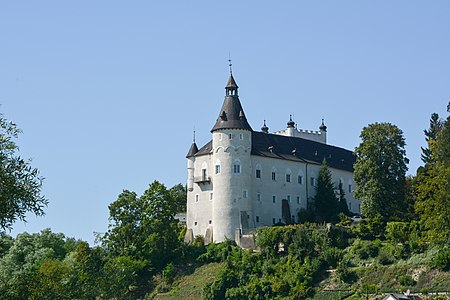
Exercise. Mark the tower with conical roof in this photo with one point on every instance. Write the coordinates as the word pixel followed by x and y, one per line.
pixel 231 146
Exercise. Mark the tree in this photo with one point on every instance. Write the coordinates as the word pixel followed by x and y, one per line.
pixel 20 184
pixel 433 188
pixel 179 194
pixel 325 200
pixel 380 169
pixel 142 233
pixel 430 136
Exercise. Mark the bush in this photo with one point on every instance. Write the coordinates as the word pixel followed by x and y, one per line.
pixel 397 232
pixel 406 280
pixel 441 260
pixel 344 273
pixel 332 256
pixel 218 252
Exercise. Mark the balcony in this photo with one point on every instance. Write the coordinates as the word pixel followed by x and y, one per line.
pixel 202 179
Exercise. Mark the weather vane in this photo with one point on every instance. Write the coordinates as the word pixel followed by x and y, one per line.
pixel 229 60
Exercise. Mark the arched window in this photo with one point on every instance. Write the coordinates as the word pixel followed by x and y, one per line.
pixel 288 175
pixel 204 171
pixel 217 167
pixel 237 166
pixel 258 170
pixel 274 174
pixel 300 177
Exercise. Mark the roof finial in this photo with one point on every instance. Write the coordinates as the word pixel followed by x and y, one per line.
pixel 194 136
pixel 229 60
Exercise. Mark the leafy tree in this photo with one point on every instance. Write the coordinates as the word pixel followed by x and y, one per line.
pixel 380 170
pixel 325 200
pixel 20 184
pixel 143 232
pixel 179 194
pixel 22 264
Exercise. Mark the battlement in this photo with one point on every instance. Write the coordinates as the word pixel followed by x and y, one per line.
pixel 313 135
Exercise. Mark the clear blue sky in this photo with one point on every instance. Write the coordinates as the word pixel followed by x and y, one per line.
pixel 107 93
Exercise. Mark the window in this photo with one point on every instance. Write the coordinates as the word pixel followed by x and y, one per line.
pixel 258 173
pixel 230 136
pixel 241 136
pixel 258 197
pixel 349 188
pixel 274 199
pixel 210 222
pixel 293 219
pixel 274 176
pixel 298 199
pixel 197 197
pixel 288 177
pixel 204 174
pixel 289 198
pixel 350 206
pixel 195 223
pixel 257 219
pixel 210 196
pixel 217 169
pixel 220 136
pixel 313 181
pixel 273 221
pixel 244 194
pixel 300 179
pixel 237 168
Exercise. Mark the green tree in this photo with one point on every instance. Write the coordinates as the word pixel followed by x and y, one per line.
pixel 380 169
pixel 179 195
pixel 433 189
pixel 21 264
pixel 143 231
pixel 430 136
pixel 325 200
pixel 20 184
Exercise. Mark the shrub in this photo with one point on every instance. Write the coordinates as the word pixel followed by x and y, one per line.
pixel 332 256
pixel 344 273
pixel 397 232
pixel 406 280
pixel 441 260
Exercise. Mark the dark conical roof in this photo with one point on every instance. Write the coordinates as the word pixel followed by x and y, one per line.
pixel 192 150
pixel 231 82
pixel 231 116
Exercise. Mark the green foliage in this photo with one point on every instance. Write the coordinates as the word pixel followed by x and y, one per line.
pixel 431 134
pixel 441 260
pixel 325 201
pixel 380 170
pixel 32 266
pixel 371 228
pixel 345 273
pixel 218 252
pixel 397 232
pixel 20 191
pixel 178 193
pixel 144 227
pixel 332 256
pixel 366 249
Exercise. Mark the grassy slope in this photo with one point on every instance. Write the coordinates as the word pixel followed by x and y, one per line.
pixel 190 286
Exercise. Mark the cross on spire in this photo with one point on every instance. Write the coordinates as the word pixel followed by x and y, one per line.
pixel 229 60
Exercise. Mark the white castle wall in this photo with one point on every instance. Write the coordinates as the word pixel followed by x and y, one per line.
pixel 312 135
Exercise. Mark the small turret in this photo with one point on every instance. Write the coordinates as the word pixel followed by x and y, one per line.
pixel 323 127
pixel 323 131
pixel 290 127
pixel 264 128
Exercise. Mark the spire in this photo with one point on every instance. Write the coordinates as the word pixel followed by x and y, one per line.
pixel 323 127
pixel 290 124
pixel 231 88
pixel 193 149
pixel 231 116
pixel 265 129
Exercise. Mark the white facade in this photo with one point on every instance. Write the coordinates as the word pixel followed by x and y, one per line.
pixel 230 188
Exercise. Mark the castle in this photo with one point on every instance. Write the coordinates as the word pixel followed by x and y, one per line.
pixel 243 179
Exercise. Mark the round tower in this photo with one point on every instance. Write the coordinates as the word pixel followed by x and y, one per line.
pixel 231 140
